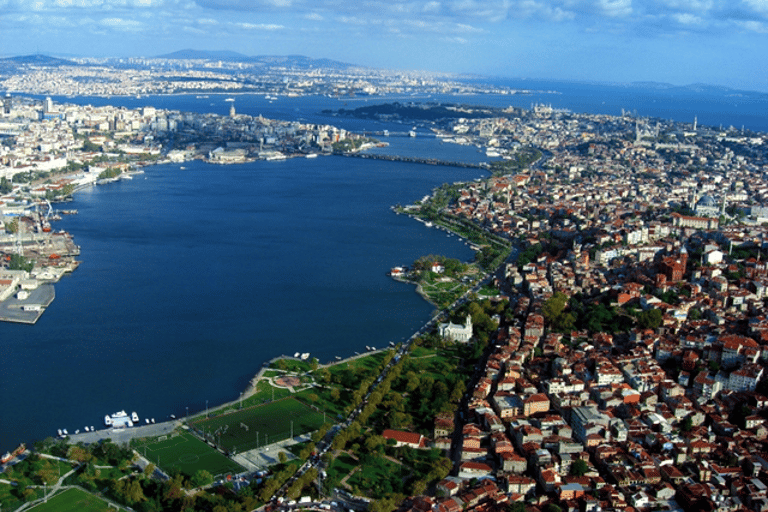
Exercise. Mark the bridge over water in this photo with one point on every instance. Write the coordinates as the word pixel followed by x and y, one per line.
pixel 418 160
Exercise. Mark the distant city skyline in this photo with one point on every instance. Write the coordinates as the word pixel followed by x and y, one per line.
pixel 717 42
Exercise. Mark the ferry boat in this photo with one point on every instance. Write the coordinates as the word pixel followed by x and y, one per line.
pixel 230 99
pixel 120 419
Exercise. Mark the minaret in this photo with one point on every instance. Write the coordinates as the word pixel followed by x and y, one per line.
pixel 232 110
pixel 695 122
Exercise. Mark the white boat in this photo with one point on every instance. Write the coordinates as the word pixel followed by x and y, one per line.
pixel 296 355
pixel 86 429
pixel 153 420
pixel 134 417
pixel 59 432
pixel 65 431
pixel 107 420
pixel 312 155
pixel 77 431
pixel 93 429
pixel 230 99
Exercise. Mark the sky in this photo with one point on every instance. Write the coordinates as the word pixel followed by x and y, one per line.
pixel 718 42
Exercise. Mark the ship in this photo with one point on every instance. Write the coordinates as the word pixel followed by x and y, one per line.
pixel 121 419
pixel 9 456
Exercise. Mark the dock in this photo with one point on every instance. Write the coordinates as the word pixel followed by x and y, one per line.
pixel 29 310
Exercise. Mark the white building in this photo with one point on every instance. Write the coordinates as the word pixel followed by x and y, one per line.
pixel 456 332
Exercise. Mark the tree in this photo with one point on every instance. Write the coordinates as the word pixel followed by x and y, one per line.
pixel 202 478
pixel 579 467
pixel 282 457
pixel 13 226
pixel 651 319
pixel 19 262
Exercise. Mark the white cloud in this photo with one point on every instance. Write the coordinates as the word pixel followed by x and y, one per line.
pixel 122 24
pixel 688 19
pixel 754 26
pixel 259 26
pixel 615 8
pixel 760 6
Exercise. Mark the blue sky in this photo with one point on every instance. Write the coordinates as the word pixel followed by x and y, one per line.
pixel 721 42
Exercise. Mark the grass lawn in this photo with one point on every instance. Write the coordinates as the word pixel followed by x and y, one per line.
pixel 379 478
pixel 243 429
pixel 361 367
pixel 340 467
pixel 11 500
pixel 326 402
pixel 73 500
pixel 291 365
pixel 182 450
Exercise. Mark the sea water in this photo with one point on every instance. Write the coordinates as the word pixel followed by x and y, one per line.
pixel 191 279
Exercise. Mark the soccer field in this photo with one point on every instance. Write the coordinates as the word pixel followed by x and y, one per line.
pixel 184 451
pixel 256 426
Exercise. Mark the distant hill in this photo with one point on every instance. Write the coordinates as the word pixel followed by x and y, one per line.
pixel 38 60
pixel 293 61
